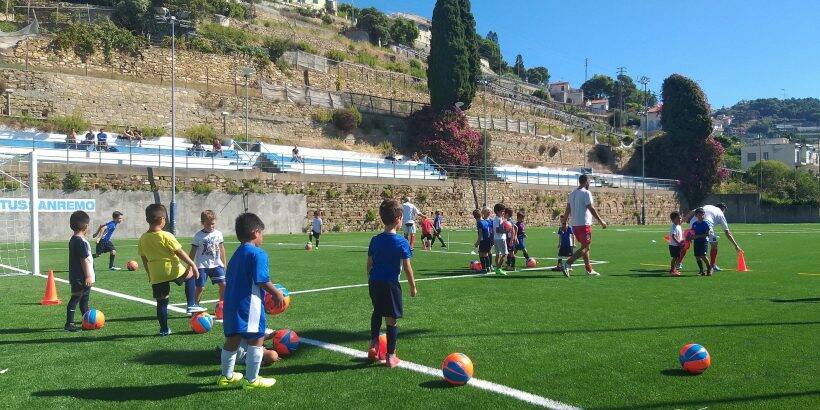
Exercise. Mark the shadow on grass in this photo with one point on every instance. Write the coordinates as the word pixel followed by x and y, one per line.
pixel 178 357
pixel 28 330
pixel 523 275
pixel 802 300
pixel 336 336
pixel 676 373
pixel 80 337
pixel 727 400
pixel 131 393
pixel 437 384
pixel 453 272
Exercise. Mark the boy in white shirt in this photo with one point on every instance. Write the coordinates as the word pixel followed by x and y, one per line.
pixel 675 243
pixel 499 238
pixel 315 228
pixel 208 252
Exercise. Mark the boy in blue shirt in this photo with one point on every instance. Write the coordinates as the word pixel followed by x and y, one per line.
pixel 566 242
pixel 484 241
pixel 243 312
pixel 104 244
pixel 520 230
pixel 387 255
pixel 701 229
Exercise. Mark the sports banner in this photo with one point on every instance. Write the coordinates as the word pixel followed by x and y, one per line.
pixel 48 205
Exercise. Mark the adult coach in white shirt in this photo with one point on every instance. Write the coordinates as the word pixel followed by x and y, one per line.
pixel 580 211
pixel 409 215
pixel 714 215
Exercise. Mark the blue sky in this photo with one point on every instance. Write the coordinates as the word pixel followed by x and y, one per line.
pixel 735 49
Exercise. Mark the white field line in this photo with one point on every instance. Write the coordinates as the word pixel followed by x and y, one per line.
pixel 478 383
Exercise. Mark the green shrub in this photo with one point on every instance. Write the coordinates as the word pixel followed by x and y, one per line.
pixel 152 132
pixel 232 188
pixel 332 193
pixel 204 133
pixel 322 117
pixel 289 189
pixel 253 186
pixel 336 55
pixel 203 45
pixel 8 26
pixel 347 120
pixel 327 19
pixel 225 40
pixel 386 147
pixel 310 191
pixel 84 40
pixel 303 46
pixel 387 192
pixel 202 188
pixel 275 47
pixel 422 197
pixel 370 215
pixel 338 227
pixel 11 185
pixel 73 182
pixel 365 58
pixel 68 123
pixel 397 67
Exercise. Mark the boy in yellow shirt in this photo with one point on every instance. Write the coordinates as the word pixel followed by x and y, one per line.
pixel 162 255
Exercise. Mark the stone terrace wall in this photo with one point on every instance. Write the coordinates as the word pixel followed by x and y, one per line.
pixel 346 201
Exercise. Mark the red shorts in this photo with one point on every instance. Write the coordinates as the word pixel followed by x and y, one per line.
pixel 583 234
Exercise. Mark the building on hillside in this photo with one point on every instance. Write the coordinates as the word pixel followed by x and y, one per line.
pixel 425 27
pixel 315 4
pixel 799 132
pixel 653 120
pixel 564 93
pixel 795 155
pixel 598 106
pixel 721 123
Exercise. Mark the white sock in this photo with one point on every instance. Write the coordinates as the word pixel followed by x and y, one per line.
pixel 242 351
pixel 228 362
pixel 253 361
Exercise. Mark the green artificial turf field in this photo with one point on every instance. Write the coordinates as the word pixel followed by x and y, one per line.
pixel 607 342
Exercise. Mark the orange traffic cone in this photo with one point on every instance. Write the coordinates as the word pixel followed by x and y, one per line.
pixel 219 310
pixel 50 298
pixel 741 262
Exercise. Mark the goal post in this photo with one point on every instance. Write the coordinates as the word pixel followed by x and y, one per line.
pixel 19 215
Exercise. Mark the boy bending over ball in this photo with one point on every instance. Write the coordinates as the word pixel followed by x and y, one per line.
pixel 162 256
pixel 387 255
pixel 243 313
pixel 80 268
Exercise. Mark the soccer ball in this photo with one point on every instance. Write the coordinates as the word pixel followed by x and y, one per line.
pixel 475 265
pixel 270 308
pixel 457 369
pixel 308 246
pixel 93 319
pixel 202 323
pixel 531 263
pixel 694 358
pixel 285 342
pixel 132 265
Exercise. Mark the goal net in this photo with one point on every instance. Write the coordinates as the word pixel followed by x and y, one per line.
pixel 19 238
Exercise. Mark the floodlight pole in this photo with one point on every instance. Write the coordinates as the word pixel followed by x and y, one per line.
pixel 173 217
pixel 645 81
pixel 34 202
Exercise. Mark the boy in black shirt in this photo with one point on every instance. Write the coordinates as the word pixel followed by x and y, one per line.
pixel 80 268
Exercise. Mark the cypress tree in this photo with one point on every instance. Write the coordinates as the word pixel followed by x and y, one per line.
pixel 454 65
pixel 685 116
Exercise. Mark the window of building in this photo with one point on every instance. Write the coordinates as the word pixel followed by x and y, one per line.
pixel 765 156
pixel 751 157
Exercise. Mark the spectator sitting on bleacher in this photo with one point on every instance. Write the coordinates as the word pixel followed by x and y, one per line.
pixel 197 149
pixel 296 157
pixel 138 137
pixel 71 139
pixel 217 147
pixel 102 140
pixel 89 141
pixel 128 135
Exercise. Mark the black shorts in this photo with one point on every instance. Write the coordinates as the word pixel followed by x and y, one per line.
pixel 427 236
pixel 161 290
pixel 674 251
pixel 386 298
pixel 104 247
pixel 437 232
pixel 565 251
pixel 316 234
pixel 78 284
pixel 700 247
pixel 485 245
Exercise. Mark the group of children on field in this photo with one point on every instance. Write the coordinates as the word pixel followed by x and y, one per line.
pixel 500 232
pixel 679 242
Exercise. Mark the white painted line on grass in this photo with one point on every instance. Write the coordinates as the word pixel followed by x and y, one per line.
pixel 478 383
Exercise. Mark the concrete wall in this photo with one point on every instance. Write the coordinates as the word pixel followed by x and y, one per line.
pixel 744 208
pixel 281 213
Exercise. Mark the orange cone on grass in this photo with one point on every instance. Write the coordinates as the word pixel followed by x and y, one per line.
pixel 741 262
pixel 50 297
pixel 218 313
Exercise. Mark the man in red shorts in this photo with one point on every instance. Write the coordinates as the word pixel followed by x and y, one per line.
pixel 580 211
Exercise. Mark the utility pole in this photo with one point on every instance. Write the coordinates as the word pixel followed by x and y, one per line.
pixel 586 68
pixel 645 81
pixel 621 71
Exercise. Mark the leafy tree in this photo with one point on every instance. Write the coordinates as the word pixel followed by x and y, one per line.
pixel 375 23
pixel 794 109
pixel 133 14
pixel 783 185
pixel 453 65
pixel 493 36
pixel 622 89
pixel 519 68
pixel 538 75
pixel 492 52
pixel 404 31
pixel 599 86
pixel 686 114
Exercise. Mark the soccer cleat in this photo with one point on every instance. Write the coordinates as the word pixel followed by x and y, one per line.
pixel 565 268
pixel 593 273
pixel 165 332
pixel 500 272
pixel 373 354
pixel 225 382
pixel 674 273
pixel 115 268
pixel 70 327
pixel 716 268
pixel 195 309
pixel 260 383
pixel 680 266
pixel 393 361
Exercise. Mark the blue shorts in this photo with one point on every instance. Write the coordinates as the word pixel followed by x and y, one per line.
pixel 386 298
pixel 216 274
pixel 700 247
pixel 248 336
pixel 486 245
pixel 522 244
